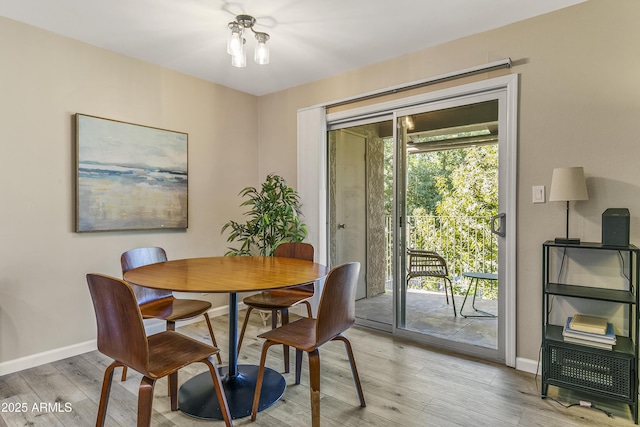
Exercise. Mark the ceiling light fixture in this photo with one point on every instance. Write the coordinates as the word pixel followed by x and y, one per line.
pixel 408 122
pixel 235 44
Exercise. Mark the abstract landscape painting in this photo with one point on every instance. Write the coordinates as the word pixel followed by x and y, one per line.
pixel 129 177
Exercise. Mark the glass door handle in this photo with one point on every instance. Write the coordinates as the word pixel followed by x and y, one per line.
pixel 500 220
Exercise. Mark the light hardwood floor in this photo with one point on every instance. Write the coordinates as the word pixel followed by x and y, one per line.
pixel 404 385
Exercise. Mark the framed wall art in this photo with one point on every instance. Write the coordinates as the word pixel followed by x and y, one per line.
pixel 129 177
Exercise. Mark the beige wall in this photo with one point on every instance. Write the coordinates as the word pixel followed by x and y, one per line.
pixel 45 79
pixel 579 106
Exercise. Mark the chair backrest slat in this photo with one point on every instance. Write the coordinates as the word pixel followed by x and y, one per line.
pixel 426 263
pixel 337 308
pixel 121 333
pixel 297 250
pixel 139 257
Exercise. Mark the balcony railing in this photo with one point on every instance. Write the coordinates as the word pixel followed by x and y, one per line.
pixel 465 242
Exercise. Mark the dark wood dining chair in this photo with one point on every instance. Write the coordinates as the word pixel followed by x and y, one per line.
pixel 280 300
pixel 336 314
pixel 161 304
pixel 121 336
pixel 430 264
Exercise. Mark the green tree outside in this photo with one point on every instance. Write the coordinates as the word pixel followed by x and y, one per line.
pixel 451 195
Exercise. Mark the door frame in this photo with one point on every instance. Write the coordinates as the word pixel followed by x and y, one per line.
pixel 312 177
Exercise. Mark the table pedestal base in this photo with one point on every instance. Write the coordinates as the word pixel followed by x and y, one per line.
pixel 197 397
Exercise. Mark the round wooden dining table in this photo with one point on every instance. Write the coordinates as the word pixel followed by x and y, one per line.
pixel 230 275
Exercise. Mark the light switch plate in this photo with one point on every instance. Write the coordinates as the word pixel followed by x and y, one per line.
pixel 538 193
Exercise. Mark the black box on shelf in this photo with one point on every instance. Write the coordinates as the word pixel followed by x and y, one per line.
pixel 615 227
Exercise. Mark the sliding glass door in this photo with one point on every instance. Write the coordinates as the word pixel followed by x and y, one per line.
pixel 430 186
pixel 448 257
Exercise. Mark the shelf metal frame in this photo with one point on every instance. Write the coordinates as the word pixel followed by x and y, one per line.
pixel 625 351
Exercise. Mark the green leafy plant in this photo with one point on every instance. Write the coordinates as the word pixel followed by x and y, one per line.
pixel 273 218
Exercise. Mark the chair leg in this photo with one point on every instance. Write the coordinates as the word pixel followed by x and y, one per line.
pixel 264 316
pixel 222 398
pixel 173 390
pixel 124 374
pixel 256 394
pixel 104 395
pixel 298 365
pixel 244 327
pixel 314 384
pixel 354 370
pixel 171 326
pixel 446 295
pixel 285 348
pixel 453 300
pixel 309 310
pixel 212 335
pixel 145 400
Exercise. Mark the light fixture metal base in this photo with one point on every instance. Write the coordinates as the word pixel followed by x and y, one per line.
pixel 247 21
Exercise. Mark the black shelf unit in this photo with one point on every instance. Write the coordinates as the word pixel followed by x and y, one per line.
pixel 611 374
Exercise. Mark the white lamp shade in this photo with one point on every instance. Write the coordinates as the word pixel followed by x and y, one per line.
pixel 568 184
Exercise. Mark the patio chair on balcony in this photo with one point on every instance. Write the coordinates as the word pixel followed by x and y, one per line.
pixel 430 264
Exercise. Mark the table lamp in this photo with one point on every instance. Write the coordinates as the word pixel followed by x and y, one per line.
pixel 568 184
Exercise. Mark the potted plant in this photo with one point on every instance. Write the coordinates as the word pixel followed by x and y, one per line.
pixel 273 218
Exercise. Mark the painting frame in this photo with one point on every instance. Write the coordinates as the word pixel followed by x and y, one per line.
pixel 129 176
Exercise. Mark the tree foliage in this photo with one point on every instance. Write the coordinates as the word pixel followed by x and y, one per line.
pixel 471 188
pixel 451 195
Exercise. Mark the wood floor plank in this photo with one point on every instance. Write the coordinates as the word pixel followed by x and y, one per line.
pixel 85 376
pixel 53 385
pixel 29 413
pixel 404 384
pixel 12 385
pixel 387 399
pixel 82 414
pixel 20 405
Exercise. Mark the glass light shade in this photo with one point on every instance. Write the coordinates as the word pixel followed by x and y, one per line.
pixel 261 55
pixel 235 42
pixel 239 60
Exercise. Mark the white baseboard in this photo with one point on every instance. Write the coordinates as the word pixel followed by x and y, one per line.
pixel 527 365
pixel 38 359
pixel 151 326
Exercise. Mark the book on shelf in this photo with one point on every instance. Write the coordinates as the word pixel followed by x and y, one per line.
pixel 591 324
pixel 589 343
pixel 606 340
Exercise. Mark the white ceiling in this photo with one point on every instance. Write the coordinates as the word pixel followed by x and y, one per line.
pixel 310 39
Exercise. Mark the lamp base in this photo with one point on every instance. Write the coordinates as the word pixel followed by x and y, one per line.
pixel 567 241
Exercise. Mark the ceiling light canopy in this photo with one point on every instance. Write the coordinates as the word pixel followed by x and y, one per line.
pixel 236 42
